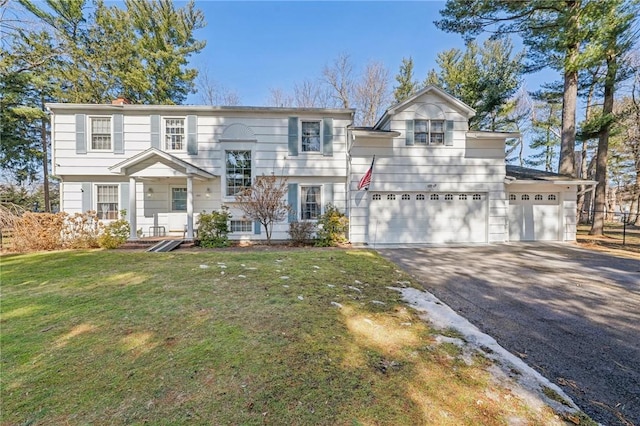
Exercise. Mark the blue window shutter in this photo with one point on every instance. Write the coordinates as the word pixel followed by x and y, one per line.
pixel 155 131
pixel 448 134
pixel 124 199
pixel 293 202
pixel 328 194
pixel 192 134
pixel 87 203
pixel 118 134
pixel 257 227
pixel 293 136
pixel 81 134
pixel 327 137
pixel 409 131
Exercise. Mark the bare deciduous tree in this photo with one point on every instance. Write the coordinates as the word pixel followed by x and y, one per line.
pixel 279 98
pixel 212 93
pixel 265 202
pixel 339 78
pixel 372 93
pixel 311 94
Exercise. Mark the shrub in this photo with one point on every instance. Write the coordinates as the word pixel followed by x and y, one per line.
pixel 332 227
pixel 38 231
pixel 116 233
pixel 213 228
pixel 301 232
pixel 82 230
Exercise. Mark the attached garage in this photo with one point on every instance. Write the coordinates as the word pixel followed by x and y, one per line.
pixel 534 216
pixel 427 218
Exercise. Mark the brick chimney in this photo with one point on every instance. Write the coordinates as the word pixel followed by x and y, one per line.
pixel 121 100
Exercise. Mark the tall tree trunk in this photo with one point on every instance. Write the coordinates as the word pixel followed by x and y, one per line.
pixel 583 211
pixel 570 95
pixel 597 228
pixel 45 162
pixel 568 138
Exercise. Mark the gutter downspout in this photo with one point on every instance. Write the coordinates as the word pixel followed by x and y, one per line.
pixel 348 179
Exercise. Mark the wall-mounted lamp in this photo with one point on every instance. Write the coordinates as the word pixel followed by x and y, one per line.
pixel 207 193
pixel 149 192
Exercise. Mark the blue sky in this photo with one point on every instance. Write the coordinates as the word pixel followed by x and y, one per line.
pixel 255 46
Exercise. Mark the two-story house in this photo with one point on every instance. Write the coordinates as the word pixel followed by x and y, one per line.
pixel 433 181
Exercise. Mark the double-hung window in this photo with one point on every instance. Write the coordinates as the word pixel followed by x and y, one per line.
pixel 310 136
pixel 179 199
pixel 100 133
pixel 310 202
pixel 107 202
pixel 238 173
pixel 174 134
pixel 429 132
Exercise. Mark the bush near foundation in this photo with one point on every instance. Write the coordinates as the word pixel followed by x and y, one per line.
pixel 332 227
pixel 38 231
pixel 82 230
pixel 213 228
pixel 116 233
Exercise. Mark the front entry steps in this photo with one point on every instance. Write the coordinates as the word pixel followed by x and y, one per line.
pixel 165 245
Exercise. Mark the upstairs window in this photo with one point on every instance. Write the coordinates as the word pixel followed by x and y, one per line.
pixel 310 136
pixel 434 197
pixel 101 133
pixel 538 197
pixel 448 197
pixel 310 202
pixel 238 171
pixel 107 202
pixel 429 132
pixel 174 134
pixel 420 197
pixel 377 197
pixel 406 196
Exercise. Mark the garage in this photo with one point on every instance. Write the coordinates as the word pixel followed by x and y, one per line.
pixel 427 217
pixel 534 216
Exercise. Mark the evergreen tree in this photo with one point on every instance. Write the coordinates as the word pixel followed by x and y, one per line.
pixel 140 52
pixel 552 31
pixel 546 125
pixel 485 78
pixel 406 85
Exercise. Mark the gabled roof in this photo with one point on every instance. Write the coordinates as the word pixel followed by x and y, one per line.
pixel 464 108
pixel 517 174
pixel 162 157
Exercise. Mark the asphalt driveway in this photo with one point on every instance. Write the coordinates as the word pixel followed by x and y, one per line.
pixel 571 314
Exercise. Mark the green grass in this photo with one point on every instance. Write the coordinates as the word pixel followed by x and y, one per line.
pixel 97 337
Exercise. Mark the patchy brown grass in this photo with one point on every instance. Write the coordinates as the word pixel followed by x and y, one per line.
pixel 612 240
pixel 95 337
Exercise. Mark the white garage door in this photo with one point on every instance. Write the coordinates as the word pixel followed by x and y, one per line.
pixel 534 216
pixel 427 218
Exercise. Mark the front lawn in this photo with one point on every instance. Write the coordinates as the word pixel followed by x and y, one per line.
pixel 287 337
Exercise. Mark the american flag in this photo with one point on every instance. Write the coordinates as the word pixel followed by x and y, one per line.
pixel 366 179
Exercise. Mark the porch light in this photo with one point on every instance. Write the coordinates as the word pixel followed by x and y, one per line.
pixel 208 193
pixel 149 192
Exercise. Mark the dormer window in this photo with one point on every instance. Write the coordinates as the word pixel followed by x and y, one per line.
pixel 429 132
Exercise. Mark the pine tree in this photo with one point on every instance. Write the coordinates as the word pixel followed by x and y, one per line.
pixel 406 85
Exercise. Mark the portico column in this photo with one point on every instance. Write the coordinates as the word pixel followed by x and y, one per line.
pixel 133 234
pixel 189 207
